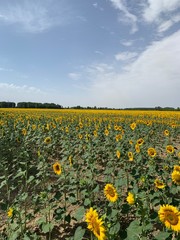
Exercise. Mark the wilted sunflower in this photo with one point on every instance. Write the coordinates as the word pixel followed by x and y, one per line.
pixel 159 184
pixel 130 198
pixel 169 149
pixel 152 152
pixel 118 154
pixel 10 212
pixel 130 156
pixel 95 224
pixel 176 177
pixel 170 216
pixel 57 168
pixel 140 141
pixel 47 140
pixel 133 125
pixel 110 193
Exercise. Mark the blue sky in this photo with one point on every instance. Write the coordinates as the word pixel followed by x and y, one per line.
pixel 104 53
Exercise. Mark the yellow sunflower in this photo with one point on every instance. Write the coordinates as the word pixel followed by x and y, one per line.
pixel 137 148
pixel 176 168
pixel 47 140
pixel 140 141
pixel 57 168
pixel 118 154
pixel 106 132
pixel 130 155
pixel 130 198
pixel 159 184
pixel 152 152
pixel 170 216
pixel 110 193
pixel 95 224
pixel 10 212
pixel 176 177
pixel 133 126
pixel 169 149
pixel 166 132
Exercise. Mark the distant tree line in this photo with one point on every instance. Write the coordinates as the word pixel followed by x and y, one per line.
pixel 29 105
pixel 57 106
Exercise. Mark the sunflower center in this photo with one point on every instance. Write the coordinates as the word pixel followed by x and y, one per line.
pixel 111 192
pixel 171 217
pixel 57 168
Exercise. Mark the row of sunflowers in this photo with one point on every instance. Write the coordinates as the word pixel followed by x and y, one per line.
pixel 89 174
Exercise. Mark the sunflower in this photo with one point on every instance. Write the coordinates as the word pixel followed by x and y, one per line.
pixel 159 184
pixel 10 212
pixel 133 126
pixel 140 141
pixel 110 193
pixel 177 168
pixel 169 149
pixel 137 148
pixel 118 154
pixel 130 155
pixel 95 224
pixel 57 168
pixel 47 140
pixel 170 216
pixel 70 161
pixel 176 177
pixel 24 132
pixel 152 152
pixel 106 132
pixel 166 132
pixel 130 198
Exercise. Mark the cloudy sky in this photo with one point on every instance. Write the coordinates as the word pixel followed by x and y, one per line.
pixel 104 53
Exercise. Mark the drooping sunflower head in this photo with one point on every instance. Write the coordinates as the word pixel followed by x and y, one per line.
pixel 152 152
pixel 130 198
pixel 169 149
pixel 170 216
pixel 159 184
pixel 176 177
pixel 47 140
pixel 57 168
pixel 110 193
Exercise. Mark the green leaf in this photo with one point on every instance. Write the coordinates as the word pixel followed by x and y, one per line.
pixel 79 233
pixel 162 236
pixel 47 227
pixel 114 229
pixel 79 213
pixel 134 230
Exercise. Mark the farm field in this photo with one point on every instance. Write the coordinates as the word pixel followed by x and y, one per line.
pixel 89 174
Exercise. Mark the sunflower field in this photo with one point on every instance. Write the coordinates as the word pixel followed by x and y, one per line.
pixel 89 174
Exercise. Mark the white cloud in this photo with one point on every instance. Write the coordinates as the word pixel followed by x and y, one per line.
pixel 156 8
pixel 127 17
pixel 164 26
pixel 33 16
pixel 124 56
pixel 127 43
pixel 5 69
pixel 12 92
pixel 74 76
pixel 151 80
